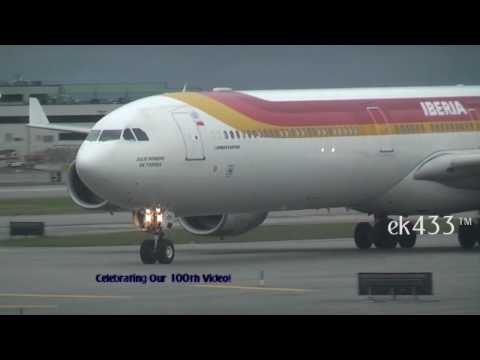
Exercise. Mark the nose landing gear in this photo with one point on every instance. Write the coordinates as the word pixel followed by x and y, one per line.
pixel 159 248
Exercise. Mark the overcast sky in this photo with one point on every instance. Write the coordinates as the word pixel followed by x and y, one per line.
pixel 247 67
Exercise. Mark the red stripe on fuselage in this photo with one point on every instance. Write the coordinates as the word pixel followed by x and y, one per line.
pixel 335 112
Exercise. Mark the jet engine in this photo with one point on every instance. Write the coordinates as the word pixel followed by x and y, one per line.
pixel 223 224
pixel 81 194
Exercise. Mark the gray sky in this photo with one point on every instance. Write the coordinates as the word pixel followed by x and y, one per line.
pixel 247 67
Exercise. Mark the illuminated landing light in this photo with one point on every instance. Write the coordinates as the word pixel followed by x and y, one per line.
pixel 159 217
pixel 153 216
pixel 322 149
pixel 148 217
pixel 333 150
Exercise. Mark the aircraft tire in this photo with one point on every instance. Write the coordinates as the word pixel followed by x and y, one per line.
pixel 165 252
pixel 147 253
pixel 408 241
pixel 363 235
pixel 382 238
pixel 467 236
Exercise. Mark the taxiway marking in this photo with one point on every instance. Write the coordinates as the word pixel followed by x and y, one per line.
pixel 28 306
pixel 65 296
pixel 252 288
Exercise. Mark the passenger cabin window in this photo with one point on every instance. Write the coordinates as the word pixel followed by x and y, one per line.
pixel 93 135
pixel 109 135
pixel 140 134
pixel 128 135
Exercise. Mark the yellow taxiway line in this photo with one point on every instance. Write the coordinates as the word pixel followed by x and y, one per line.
pixel 28 306
pixel 64 296
pixel 252 288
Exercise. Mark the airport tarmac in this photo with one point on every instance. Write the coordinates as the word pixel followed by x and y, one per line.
pixel 16 176
pixel 101 222
pixel 32 191
pixel 300 277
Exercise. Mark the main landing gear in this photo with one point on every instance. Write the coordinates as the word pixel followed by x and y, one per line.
pixel 367 235
pixel 469 235
pixel 159 248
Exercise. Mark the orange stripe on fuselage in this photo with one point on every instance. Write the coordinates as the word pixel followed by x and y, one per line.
pixel 220 111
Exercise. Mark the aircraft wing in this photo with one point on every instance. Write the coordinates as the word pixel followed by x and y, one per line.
pixel 38 119
pixel 58 167
pixel 457 169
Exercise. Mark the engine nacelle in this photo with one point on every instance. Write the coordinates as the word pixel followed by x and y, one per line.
pixel 81 194
pixel 223 224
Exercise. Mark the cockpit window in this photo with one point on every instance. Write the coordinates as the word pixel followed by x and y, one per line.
pixel 108 135
pixel 140 134
pixel 93 135
pixel 128 135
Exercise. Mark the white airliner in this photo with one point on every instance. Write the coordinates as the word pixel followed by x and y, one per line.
pixel 219 161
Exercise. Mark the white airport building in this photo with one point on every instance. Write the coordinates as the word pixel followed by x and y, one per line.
pixel 75 104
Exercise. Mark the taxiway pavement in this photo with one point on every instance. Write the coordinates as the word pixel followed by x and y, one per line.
pixel 300 277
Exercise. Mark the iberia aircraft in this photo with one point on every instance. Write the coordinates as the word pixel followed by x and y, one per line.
pixel 219 161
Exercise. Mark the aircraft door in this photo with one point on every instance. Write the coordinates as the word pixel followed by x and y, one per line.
pixel 382 128
pixel 192 138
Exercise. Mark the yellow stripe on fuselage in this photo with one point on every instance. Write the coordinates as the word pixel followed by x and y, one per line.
pixel 220 111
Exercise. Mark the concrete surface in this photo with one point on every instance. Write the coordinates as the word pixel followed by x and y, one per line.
pixel 301 277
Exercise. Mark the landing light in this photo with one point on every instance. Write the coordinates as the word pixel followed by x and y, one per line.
pixel 159 217
pixel 153 216
pixel 148 218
